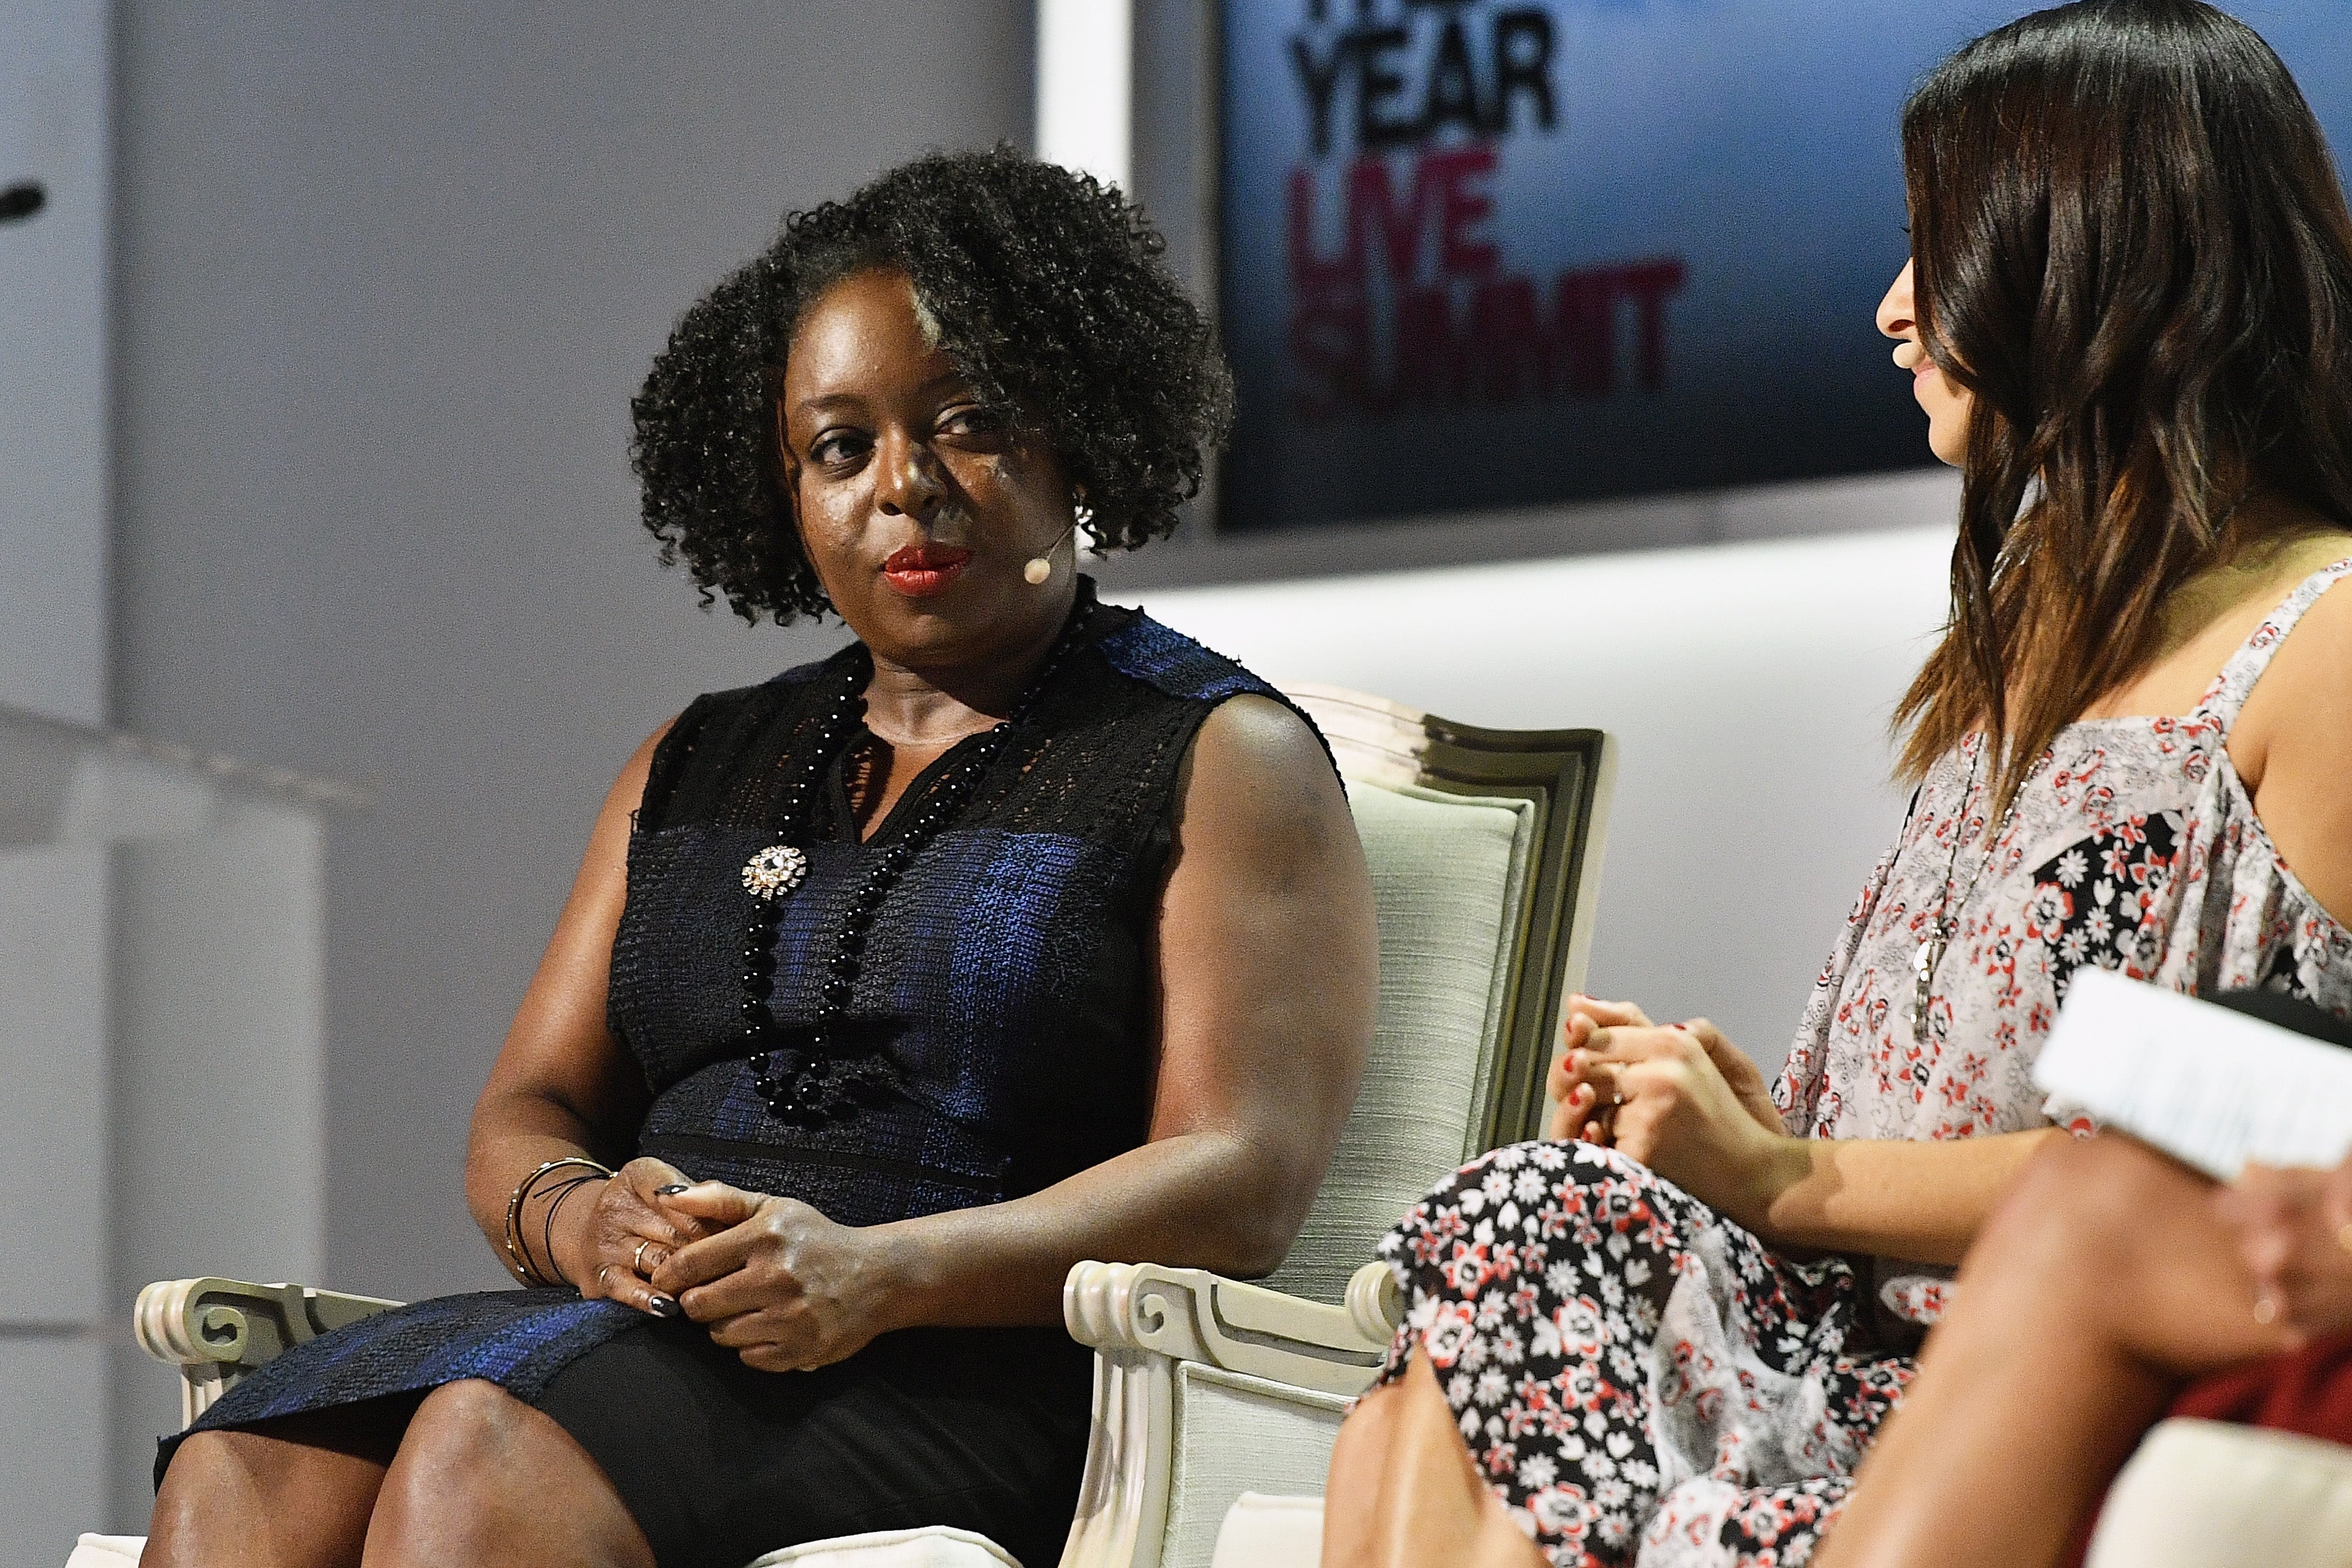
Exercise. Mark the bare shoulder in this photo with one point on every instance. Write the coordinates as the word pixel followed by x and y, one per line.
pixel 608 841
pixel 2292 746
pixel 1260 731
pixel 1258 800
pixel 629 789
pixel 1258 759
pixel 2309 679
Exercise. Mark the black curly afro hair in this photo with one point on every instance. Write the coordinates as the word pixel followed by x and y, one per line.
pixel 1048 289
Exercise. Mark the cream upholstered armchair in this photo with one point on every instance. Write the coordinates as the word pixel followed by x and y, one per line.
pixel 1485 855
pixel 1485 852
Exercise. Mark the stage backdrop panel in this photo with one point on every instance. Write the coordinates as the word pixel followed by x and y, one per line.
pixel 1500 253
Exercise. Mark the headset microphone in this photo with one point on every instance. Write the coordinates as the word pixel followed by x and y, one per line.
pixel 1041 565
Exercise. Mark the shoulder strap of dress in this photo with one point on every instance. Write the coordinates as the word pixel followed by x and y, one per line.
pixel 2236 682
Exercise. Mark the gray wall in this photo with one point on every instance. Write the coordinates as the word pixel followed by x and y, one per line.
pixel 54 1317
pixel 386 279
pixel 1749 686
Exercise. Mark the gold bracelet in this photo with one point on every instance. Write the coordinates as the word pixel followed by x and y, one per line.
pixel 524 1270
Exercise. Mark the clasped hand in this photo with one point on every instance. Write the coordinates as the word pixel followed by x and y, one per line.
pixel 1681 1099
pixel 770 1278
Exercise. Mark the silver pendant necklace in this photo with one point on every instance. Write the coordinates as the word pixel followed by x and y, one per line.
pixel 1941 931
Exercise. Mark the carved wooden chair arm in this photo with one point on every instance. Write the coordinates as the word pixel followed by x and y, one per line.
pixel 1193 1315
pixel 217 1330
pixel 1157 1331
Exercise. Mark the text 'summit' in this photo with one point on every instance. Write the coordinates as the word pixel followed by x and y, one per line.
pixel 1400 298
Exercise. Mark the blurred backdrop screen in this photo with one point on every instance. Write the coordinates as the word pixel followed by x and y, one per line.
pixel 1486 254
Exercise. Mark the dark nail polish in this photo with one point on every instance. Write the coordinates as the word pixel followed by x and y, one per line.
pixel 667 1307
pixel 673 1188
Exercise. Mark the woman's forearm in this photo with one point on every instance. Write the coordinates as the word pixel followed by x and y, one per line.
pixel 1895 1198
pixel 1197 1200
pixel 1265 952
pixel 1206 1201
pixel 512 1137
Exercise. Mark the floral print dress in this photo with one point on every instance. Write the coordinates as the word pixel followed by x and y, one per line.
pixel 1644 1381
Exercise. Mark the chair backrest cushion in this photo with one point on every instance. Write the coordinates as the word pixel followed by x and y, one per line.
pixel 1449 872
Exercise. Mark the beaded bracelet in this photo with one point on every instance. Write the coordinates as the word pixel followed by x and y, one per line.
pixel 524 1269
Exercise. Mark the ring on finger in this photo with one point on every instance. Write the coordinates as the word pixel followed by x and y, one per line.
pixel 638 1261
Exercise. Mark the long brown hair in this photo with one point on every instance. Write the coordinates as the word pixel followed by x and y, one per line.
pixel 2132 249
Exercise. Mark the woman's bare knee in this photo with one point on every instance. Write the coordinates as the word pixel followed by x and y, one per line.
pixel 262 1498
pixel 2088 1246
pixel 465 1422
pixel 2088 1208
pixel 205 1477
pixel 1403 1490
pixel 482 1477
pixel 460 1450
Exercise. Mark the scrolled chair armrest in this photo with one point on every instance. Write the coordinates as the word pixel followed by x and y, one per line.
pixel 1158 1331
pixel 1193 1315
pixel 217 1330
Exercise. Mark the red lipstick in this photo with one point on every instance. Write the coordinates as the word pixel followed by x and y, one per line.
pixel 919 571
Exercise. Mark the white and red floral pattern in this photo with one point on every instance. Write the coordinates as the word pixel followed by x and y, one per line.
pixel 1644 1381
pixel 1636 1376
pixel 2133 846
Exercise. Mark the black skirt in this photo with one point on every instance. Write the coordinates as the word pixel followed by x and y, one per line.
pixel 981 1428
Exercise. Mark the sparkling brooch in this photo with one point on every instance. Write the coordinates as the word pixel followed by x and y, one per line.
pixel 777 869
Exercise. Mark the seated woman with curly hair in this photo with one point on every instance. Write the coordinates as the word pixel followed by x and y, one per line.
pixel 1020 931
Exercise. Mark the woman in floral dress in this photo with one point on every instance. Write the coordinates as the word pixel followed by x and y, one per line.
pixel 1670 1337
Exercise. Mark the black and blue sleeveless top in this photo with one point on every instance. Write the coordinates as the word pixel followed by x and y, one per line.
pixel 1003 983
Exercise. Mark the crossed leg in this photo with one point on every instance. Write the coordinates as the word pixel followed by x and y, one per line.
pixel 1404 1492
pixel 2104 1281
pixel 478 1479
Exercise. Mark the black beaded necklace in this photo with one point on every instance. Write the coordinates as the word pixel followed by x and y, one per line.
pixel 810 1081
